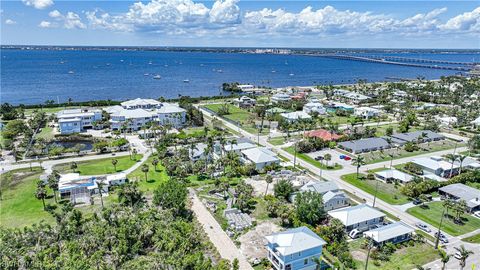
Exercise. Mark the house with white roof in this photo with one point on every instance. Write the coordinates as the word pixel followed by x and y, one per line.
pixel 361 217
pixel 447 121
pixel 394 175
pixel 294 249
pixel 133 119
pixel 141 103
pixel 332 196
pixel 238 147
pixel 280 97
pixel 463 192
pixel 436 165
pixel 77 120
pixel 244 102
pixel 295 116
pixel 476 122
pixel 314 107
pixel 260 156
pixel 366 112
pixel 396 232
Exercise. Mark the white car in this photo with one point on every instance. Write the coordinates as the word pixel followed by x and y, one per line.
pixel 477 214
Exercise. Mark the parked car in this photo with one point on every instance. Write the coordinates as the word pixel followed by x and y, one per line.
pixel 423 227
pixel 318 158
pixel 417 201
pixel 347 158
pixel 477 214
pixel 442 237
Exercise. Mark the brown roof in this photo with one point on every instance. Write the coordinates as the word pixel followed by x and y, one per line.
pixel 323 134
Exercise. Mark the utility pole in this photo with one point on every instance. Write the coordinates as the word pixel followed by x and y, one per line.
pixel 376 190
pixel 439 226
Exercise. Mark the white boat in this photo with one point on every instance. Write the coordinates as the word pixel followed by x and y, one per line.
pixel 291 74
pixel 62 62
pixel 71 72
pixel 186 81
pixel 157 77
pixel 121 60
pixel 150 63
pixel 273 71
pixel 219 71
pixel 146 74
pixel 165 65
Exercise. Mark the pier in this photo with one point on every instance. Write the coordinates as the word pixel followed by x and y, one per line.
pixel 409 62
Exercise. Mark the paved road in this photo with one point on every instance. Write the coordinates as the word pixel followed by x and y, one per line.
pixel 217 236
pixel 334 176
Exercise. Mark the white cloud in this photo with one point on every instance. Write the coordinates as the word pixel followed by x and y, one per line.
pixel 468 21
pixel 70 20
pixel 180 17
pixel 38 4
pixel 10 22
pixel 45 24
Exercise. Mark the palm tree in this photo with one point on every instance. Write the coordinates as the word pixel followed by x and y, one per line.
pixel 452 158
pixel 464 254
pixel 41 193
pixel 448 204
pixel 114 163
pixel 155 163
pixel 145 170
pixel 73 166
pixel 461 158
pixel 269 180
pixel 53 184
pixel 100 185
pixel 358 161
pixel 134 153
pixel 327 158
pixel 370 245
pixel 444 258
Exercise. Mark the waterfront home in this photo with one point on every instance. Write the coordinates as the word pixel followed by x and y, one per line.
pixel 244 102
pixel 238 147
pixel 323 134
pixel 280 98
pixel 396 232
pixel 141 103
pixel 393 175
pixel 361 217
pixel 333 197
pixel 355 98
pixel 170 114
pixel 364 145
pixel 246 87
pixel 295 116
pixel 294 249
pixel 76 188
pixel 132 120
pixel 314 107
pixel 366 112
pixel 77 120
pixel 463 192
pixel 261 157
pixel 418 136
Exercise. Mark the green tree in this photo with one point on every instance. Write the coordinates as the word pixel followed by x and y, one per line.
pixel 283 189
pixel 269 180
pixel 327 158
pixel 171 195
pixel 53 180
pixel 464 254
pixel 358 161
pixel 145 170
pixel 309 207
pixel 130 195
pixel 444 258
pixel 114 163
pixel 155 163
pixel 41 193
pixel 73 166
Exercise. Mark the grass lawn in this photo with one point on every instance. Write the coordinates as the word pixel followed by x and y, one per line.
pixel 386 192
pixel 277 141
pixel 473 239
pixel 380 156
pixel 19 207
pixel 433 213
pixel 99 166
pixel 154 177
pixel 404 258
pixel 235 113
pixel 46 133
pixel 312 161
pixel 260 213
pixel 48 110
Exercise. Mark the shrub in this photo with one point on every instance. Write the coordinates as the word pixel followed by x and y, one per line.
pixel 413 168
pixel 370 176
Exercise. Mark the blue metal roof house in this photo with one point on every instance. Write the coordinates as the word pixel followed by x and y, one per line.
pixel 294 249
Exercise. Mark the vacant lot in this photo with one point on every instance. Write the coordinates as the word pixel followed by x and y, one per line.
pixel 100 166
pixel 385 192
pixel 312 161
pixel 433 214
pixel 154 176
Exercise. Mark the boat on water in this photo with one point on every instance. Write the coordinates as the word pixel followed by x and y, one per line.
pixel 150 63
pixel 121 60
pixel 146 74
pixel 165 65
pixel 108 64
pixel 273 71
pixel 71 72
pixel 291 74
pixel 62 62
pixel 186 81
pixel 157 77
pixel 219 71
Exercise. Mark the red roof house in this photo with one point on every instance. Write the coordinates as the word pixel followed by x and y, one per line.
pixel 323 134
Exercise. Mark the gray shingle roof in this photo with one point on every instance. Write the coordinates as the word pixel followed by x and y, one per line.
pixel 469 194
pixel 415 135
pixel 365 144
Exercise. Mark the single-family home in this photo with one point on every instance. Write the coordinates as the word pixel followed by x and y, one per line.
pixel 355 98
pixel 260 156
pixel 76 188
pixel 275 110
pixel 418 136
pixel 244 102
pixel 246 87
pixel 341 106
pixel 238 147
pixel 333 197
pixel 447 121
pixel 314 107
pixel 437 165
pixel 366 112
pixel 364 145
pixel 116 179
pixel 77 120
pixel 463 192
pixel 476 123
pixel 393 175
pixel 198 152
pixel 396 232
pixel 280 97
pixel 295 116
pixel 323 134
pixel 361 217
pixel 294 249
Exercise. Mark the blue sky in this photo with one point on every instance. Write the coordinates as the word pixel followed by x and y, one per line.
pixel 346 24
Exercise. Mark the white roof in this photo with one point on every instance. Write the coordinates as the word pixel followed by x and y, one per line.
pixel 313 104
pixel 167 108
pixel 296 115
pixel 356 214
pixel 332 194
pixel 295 240
pixel 395 174
pixel 389 231
pixel 239 146
pixel 130 114
pixel 67 120
pixel 476 121
pixel 260 155
pixel 140 102
pixel 432 164
pixel 117 176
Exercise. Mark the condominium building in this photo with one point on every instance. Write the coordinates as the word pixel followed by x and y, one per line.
pixel 77 120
